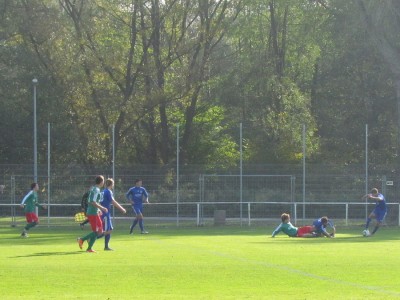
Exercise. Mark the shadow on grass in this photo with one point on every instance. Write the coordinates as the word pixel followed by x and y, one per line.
pixel 338 239
pixel 40 254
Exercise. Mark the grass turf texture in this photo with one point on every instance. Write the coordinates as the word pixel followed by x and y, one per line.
pixel 199 263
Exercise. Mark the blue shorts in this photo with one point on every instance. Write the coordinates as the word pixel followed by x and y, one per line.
pixel 107 224
pixel 138 209
pixel 379 214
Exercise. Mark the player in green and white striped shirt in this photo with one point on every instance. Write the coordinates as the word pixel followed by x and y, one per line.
pixel 29 204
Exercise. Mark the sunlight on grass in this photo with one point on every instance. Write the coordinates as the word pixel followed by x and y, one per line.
pixel 200 263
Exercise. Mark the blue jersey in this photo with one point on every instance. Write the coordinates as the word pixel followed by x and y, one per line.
pixel 107 198
pixel 136 195
pixel 381 205
pixel 319 227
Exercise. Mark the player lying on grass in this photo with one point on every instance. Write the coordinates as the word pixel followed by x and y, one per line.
pixel 320 227
pixel 292 231
pixel 317 229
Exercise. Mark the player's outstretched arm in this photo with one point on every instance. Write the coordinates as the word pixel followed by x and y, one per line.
pixel 117 205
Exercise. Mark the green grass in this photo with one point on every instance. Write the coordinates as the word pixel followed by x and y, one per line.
pixel 199 263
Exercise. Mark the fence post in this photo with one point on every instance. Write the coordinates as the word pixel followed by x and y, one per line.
pixel 198 214
pixel 347 213
pixel 248 212
pixel 13 217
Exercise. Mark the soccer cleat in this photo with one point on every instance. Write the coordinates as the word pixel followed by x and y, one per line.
pixel 80 242
pixel 144 232
pixel 108 249
pixel 131 230
pixel 24 234
pixel 90 251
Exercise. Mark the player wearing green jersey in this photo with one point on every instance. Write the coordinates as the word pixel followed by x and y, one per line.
pixel 93 214
pixel 292 231
pixel 29 204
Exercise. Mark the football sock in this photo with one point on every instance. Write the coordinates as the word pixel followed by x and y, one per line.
pixel 134 223
pixel 107 240
pixel 375 229
pixel 141 224
pixel 88 236
pixel 367 224
pixel 92 239
pixel 30 225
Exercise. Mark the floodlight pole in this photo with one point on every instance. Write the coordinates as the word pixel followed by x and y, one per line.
pixel 35 172
pixel 177 175
pixel 366 169
pixel 304 172
pixel 241 173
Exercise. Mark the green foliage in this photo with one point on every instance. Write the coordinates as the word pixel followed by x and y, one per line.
pixel 144 67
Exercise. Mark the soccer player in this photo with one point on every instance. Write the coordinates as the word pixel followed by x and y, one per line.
pixel 108 200
pixel 92 213
pixel 292 231
pixel 29 204
pixel 379 212
pixel 320 227
pixel 137 195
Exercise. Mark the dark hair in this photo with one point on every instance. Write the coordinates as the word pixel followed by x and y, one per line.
pixel 33 185
pixel 324 220
pixel 137 180
pixel 99 179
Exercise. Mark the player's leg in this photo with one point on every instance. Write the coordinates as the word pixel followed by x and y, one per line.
pixel 380 216
pixel 369 219
pixel 97 228
pixel 141 223
pixel 137 212
pixel 107 226
pixel 89 236
pixel 305 231
pixel 24 232
pixel 32 220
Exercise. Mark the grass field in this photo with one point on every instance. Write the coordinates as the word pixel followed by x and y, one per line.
pixel 199 263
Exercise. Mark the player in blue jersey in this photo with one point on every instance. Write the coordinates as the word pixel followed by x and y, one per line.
pixel 108 200
pixel 379 212
pixel 320 227
pixel 137 195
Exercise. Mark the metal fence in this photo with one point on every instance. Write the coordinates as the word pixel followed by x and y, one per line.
pixel 213 213
pixel 260 195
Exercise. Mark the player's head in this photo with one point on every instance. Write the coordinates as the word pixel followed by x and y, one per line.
pixel 138 182
pixel 34 186
pixel 285 218
pixel 374 191
pixel 99 180
pixel 324 220
pixel 109 183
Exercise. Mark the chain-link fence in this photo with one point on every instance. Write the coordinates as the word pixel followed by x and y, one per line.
pixel 259 195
